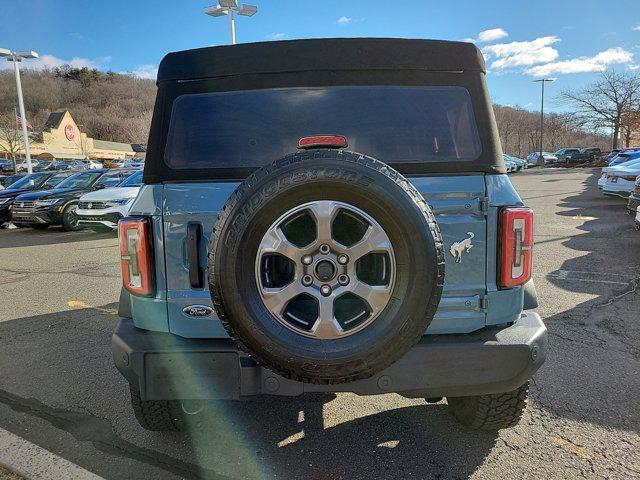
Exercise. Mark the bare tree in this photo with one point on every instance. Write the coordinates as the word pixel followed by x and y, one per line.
pixel 603 103
pixel 11 141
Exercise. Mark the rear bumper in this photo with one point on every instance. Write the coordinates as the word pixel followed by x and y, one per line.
pixel 493 360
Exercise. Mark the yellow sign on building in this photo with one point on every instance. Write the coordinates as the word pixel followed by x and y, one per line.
pixel 61 139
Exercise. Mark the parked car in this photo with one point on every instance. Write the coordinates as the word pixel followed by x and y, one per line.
pixel 28 183
pixel 6 165
pixel 620 161
pixel 93 164
pixel 134 163
pixel 521 163
pixel 101 210
pixel 7 180
pixel 634 199
pixel 58 206
pixel 21 165
pixel 586 155
pixel 548 158
pixel 114 163
pixel 327 266
pixel 637 220
pixel 565 154
pixel 621 181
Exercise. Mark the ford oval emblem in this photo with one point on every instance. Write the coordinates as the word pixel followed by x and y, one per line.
pixel 198 311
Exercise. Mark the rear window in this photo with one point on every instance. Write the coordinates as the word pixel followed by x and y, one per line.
pixel 252 128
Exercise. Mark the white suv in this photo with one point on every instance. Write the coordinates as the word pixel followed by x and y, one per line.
pixel 101 210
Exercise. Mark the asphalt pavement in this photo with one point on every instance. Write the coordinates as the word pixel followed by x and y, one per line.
pixel 60 391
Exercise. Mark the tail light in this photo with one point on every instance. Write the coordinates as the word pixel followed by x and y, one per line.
pixel 135 255
pixel 326 141
pixel 516 247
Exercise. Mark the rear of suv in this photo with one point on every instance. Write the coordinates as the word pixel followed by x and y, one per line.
pixel 327 216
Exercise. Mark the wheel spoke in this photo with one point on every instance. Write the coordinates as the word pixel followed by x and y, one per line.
pixel 274 241
pixel 374 240
pixel 326 326
pixel 324 212
pixel 376 296
pixel 276 299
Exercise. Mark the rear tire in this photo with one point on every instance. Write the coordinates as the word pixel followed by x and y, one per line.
pixel 490 412
pixel 158 415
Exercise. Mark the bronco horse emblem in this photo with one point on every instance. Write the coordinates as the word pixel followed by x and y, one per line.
pixel 463 246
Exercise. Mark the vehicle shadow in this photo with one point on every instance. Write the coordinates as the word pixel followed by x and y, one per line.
pixel 591 371
pixel 58 368
pixel 28 237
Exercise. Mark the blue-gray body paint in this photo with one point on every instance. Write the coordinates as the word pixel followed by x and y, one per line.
pixel 462 204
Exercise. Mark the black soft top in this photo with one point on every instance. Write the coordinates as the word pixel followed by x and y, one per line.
pixel 322 62
pixel 321 54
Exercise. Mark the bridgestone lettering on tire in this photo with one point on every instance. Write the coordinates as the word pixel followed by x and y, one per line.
pixel 326 266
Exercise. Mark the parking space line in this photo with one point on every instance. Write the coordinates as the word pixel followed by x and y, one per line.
pixel 81 304
pixel 36 463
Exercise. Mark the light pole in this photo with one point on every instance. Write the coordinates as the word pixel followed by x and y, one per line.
pixel 542 81
pixel 16 58
pixel 229 7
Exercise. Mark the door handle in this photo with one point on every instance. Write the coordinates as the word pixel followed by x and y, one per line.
pixel 194 233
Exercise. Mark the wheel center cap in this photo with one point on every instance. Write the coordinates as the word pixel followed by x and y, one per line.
pixel 325 270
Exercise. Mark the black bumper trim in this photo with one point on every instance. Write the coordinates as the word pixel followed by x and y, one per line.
pixel 493 360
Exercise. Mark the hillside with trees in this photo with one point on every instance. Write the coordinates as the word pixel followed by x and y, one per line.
pixel 107 106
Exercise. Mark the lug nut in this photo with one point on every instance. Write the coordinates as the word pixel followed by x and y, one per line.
pixel 307 259
pixel 343 259
pixel 325 290
pixel 324 248
pixel 307 280
pixel 343 279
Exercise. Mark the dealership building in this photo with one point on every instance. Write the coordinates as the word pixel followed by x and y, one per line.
pixel 62 139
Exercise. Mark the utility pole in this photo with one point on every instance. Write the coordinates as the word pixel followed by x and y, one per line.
pixel 16 58
pixel 542 81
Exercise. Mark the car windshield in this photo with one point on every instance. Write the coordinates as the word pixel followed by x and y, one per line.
pixel 30 181
pixel 134 180
pixel 109 179
pixel 396 124
pixel 79 180
pixel 55 180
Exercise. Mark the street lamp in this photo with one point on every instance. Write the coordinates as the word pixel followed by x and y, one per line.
pixel 542 81
pixel 16 58
pixel 228 7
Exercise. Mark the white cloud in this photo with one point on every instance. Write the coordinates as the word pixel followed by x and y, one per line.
pixel 492 35
pixel 148 71
pixel 636 28
pixel 522 54
pixel 596 63
pixel 277 36
pixel 344 20
pixel 50 61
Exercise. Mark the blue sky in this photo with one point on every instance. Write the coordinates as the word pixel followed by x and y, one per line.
pixel 569 40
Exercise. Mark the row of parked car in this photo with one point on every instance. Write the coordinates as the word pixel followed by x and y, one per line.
pixel 95 198
pixel 622 178
pixel 6 165
pixel 565 155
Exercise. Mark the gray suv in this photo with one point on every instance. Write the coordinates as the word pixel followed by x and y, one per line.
pixel 327 215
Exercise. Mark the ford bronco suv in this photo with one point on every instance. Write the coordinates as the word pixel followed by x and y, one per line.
pixel 327 215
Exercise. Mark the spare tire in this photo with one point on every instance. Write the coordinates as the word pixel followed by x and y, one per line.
pixel 326 266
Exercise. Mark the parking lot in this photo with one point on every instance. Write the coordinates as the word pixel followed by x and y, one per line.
pixel 59 388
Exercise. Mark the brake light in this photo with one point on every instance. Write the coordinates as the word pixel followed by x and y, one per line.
pixel 327 141
pixel 135 255
pixel 516 249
